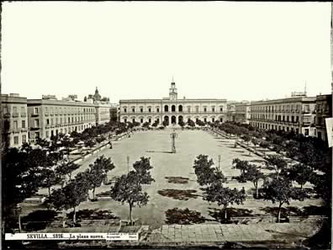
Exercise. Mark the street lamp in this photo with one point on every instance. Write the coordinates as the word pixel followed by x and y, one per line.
pixel 173 136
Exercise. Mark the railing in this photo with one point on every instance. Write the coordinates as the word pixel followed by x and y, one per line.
pixel 23 114
pixel 6 115
pixel 15 115
pixel 34 115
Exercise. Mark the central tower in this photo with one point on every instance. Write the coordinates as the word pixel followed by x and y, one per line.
pixel 173 91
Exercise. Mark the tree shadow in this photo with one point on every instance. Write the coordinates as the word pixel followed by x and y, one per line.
pixel 38 220
pixel 177 179
pixel 157 151
pixel 178 194
pixel 218 214
pixel 183 216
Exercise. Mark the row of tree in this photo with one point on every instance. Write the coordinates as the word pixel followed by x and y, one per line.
pixel 311 151
pixel 77 189
pixel 276 186
pixel 127 188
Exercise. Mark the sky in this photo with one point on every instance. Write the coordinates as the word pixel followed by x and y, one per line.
pixel 132 50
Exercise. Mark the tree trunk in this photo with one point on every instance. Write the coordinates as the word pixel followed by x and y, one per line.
pixel 93 193
pixel 130 212
pixel 49 190
pixel 279 213
pixel 74 215
pixel 301 186
pixel 225 213
pixel 19 222
pixel 70 175
pixel 64 219
pixel 257 191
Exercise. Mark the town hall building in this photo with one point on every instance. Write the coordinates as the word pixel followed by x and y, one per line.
pixel 172 109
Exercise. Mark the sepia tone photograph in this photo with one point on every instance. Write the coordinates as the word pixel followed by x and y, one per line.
pixel 153 125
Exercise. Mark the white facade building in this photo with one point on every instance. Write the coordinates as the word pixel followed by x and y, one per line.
pixel 172 110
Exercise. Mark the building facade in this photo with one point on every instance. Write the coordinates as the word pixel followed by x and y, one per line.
pixel 172 109
pixel 49 117
pixel 296 113
pixel 14 125
pixel 242 112
pixel 323 111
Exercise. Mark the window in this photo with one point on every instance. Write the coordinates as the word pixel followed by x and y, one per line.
pixel 166 108
pixel 133 109
pixel 149 120
pixel 133 120
pixel 157 109
pixel 189 109
pixel 24 138
pixel 47 134
pixel 180 108
pixel 36 111
pixel 23 123
pixel 306 131
pixel 125 110
pixel 205 109
pixel 36 123
pixel 125 120
pixel 15 125
pixel 213 119
pixel 16 140
pixel 51 121
pixel 213 109
pixel 141 109
pixel 141 120
pixel 173 108
pixel 221 109
pixel 197 108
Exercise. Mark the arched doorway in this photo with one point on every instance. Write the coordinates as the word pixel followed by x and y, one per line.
pixel 180 119
pixel 173 119
pixel 166 119
pixel 173 108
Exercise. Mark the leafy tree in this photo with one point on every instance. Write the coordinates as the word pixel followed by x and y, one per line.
pixel 240 164
pixel 224 196
pixel 276 162
pixel 127 189
pixel 49 178
pixel 251 173
pixel 206 174
pixel 300 173
pixel 89 143
pixel 156 122
pixel 142 168
pixel 280 190
pixel 181 123
pixel 20 180
pixel 66 168
pixel 69 197
pixel 165 123
pixel 190 123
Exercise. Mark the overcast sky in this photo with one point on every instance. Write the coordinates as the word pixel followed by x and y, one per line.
pixel 237 51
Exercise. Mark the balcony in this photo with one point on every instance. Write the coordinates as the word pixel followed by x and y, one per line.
pixel 46 114
pixel 34 115
pixel 24 130
pixel 34 128
pixel 23 114
pixel 6 115
pixel 15 115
